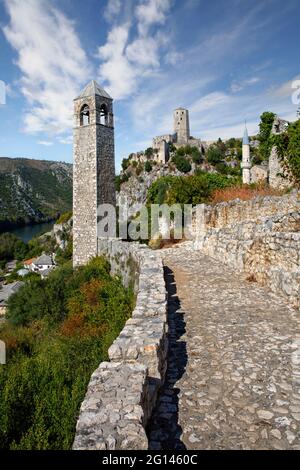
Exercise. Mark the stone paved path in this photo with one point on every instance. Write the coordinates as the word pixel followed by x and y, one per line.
pixel 233 379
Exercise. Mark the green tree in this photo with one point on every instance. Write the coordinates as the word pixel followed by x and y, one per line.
pixel 125 163
pixel 196 155
pixel 148 166
pixel 264 137
pixel 231 143
pixel 52 355
pixel 288 146
pixel 11 247
pixel 182 164
pixel 149 152
pixel 214 155
pixel 194 189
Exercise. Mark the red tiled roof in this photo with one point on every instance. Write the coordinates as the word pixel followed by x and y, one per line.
pixel 28 262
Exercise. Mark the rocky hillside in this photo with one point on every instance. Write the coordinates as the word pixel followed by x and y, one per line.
pixel 133 193
pixel 33 190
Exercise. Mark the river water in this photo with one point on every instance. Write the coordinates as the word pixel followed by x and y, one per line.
pixel 30 231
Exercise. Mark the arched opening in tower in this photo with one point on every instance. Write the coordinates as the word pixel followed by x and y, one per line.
pixel 85 115
pixel 103 115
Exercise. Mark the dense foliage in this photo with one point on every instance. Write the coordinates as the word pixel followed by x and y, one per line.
pixel 119 180
pixel 11 247
pixel 149 152
pixel 195 189
pixel 214 155
pixel 58 331
pixel 183 156
pixel 288 145
pixel 33 190
pixel 222 153
pixel 148 166
pixel 64 218
pixel 265 135
pixel 182 163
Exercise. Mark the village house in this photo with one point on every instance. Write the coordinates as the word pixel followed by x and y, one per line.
pixel 42 265
pixel 6 292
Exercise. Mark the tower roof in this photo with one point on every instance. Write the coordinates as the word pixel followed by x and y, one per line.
pixel 246 137
pixel 93 89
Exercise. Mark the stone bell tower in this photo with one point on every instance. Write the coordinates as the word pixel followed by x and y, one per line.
pixel 94 167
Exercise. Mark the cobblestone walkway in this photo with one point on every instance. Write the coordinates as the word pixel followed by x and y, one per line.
pixel 233 379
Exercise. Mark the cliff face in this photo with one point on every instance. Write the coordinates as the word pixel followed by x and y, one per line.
pixel 134 192
pixel 33 190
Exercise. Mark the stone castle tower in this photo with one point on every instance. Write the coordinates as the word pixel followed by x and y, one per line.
pixel 94 167
pixel 182 125
pixel 246 161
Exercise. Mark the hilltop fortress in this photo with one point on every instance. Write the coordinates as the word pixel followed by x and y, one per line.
pixel 270 171
pixel 180 137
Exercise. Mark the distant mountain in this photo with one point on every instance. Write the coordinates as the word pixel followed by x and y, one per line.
pixel 33 190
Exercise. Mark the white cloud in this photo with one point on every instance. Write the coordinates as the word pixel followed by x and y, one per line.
pixel 127 57
pixel 210 101
pixel 46 143
pixel 239 85
pixel 144 51
pixel 112 9
pixel 173 57
pixel 152 109
pixel 151 12
pixel 116 68
pixel 52 62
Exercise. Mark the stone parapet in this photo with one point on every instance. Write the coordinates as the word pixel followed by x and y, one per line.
pixel 233 212
pixel 266 247
pixel 111 415
pixel 140 352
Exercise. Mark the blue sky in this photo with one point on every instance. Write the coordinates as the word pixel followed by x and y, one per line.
pixel 225 60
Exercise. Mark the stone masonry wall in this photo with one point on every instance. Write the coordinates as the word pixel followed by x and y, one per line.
pixel 122 393
pixel 237 211
pixel 93 175
pixel 260 237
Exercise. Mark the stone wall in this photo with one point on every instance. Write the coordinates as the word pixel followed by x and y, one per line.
pixel 279 177
pixel 237 211
pixel 122 393
pixel 260 237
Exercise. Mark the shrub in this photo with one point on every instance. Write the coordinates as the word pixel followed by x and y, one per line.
pixel 288 145
pixel 214 155
pixel 125 163
pixel 194 189
pixel 60 340
pixel 196 155
pixel 11 247
pixel 64 218
pixel 265 128
pixel 182 164
pixel 149 152
pixel 148 167
pixel 243 192
pixel 119 180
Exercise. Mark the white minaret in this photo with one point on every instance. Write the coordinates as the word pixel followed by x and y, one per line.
pixel 246 162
